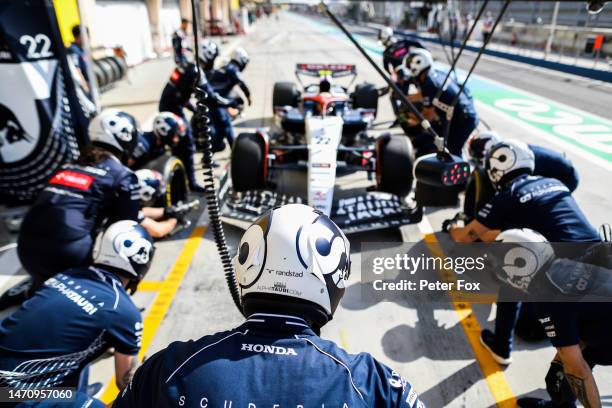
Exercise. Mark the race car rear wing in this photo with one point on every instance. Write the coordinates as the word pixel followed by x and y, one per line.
pixel 318 70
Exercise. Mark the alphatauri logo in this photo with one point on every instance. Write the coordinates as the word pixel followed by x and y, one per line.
pixel 265 348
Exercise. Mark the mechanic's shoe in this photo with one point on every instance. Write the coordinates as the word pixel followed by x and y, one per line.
pixel 16 295
pixel 196 188
pixel 530 402
pixel 487 339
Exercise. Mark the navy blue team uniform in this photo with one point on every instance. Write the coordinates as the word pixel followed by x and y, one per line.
pixel 74 318
pixel 175 98
pixel 544 205
pixel 464 119
pixel 58 231
pixel 147 149
pixel 179 45
pixel 552 164
pixel 223 81
pixel 270 360
pixel 394 54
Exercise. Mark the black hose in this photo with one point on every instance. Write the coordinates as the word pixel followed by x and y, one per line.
pixel 202 121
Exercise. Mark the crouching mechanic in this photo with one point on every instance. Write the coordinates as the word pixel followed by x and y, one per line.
pixel 547 162
pixel 79 314
pixel 276 357
pixel 575 327
pixel 168 132
pixel 464 119
pixel 522 200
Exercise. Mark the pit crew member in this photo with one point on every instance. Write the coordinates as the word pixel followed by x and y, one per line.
pixel 548 162
pixel 464 119
pixel 221 122
pixel 77 315
pixel 522 200
pixel 180 43
pixel 223 81
pixel 574 328
pixel 58 231
pixel 168 132
pixel 309 259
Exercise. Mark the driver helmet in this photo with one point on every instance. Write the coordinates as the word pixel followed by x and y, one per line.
pixel 385 36
pixel 152 187
pixel 116 131
pixel 507 160
pixel 418 61
pixel 208 51
pixel 293 259
pixel 522 262
pixel 240 58
pixel 170 128
pixel 325 83
pixel 125 248
pixel 478 144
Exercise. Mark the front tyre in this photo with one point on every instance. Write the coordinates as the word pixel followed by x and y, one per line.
pixel 248 162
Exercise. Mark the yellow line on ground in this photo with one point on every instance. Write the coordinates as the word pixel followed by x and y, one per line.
pixel 344 340
pixel 150 286
pixel 493 374
pixel 165 295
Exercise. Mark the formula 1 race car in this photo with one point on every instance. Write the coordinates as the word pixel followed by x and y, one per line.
pixel 324 98
pixel 269 169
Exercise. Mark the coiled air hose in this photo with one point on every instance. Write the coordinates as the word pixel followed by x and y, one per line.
pixel 202 131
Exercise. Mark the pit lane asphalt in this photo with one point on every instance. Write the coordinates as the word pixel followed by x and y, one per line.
pixel 424 342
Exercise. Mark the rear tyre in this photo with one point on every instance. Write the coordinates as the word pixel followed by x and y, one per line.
pixel 366 96
pixel 175 177
pixel 394 163
pixel 248 163
pixel 285 94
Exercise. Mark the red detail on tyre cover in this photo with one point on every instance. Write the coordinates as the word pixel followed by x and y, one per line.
pixel 72 179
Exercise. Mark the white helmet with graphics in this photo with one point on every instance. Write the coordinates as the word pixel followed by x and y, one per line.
pixel 385 35
pixel 293 258
pixel 478 144
pixel 507 160
pixel 127 248
pixel 418 61
pixel 240 57
pixel 521 262
pixel 116 130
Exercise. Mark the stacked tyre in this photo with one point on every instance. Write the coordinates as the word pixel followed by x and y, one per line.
pixel 109 70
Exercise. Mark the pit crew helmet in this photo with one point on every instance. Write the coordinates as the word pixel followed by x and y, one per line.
pixel 116 131
pixel 522 262
pixel 127 249
pixel 293 259
pixel 208 51
pixel 507 160
pixel 170 128
pixel 152 187
pixel 385 36
pixel 418 61
pixel 240 57
pixel 476 147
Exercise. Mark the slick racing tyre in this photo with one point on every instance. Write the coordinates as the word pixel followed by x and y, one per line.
pixel 100 78
pixel 175 177
pixel 478 192
pixel 248 163
pixel 366 96
pixel 394 162
pixel 285 94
